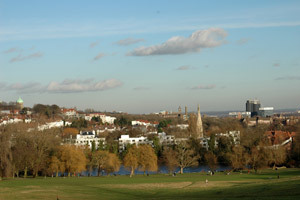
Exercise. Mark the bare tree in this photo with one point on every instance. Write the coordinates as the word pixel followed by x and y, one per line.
pixel 185 156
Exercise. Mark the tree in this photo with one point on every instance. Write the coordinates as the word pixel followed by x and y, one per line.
pixel 113 164
pixel 100 159
pixel 5 154
pixel 131 159
pixel 55 166
pixel 211 160
pixel 170 159
pixel 238 157
pixel 73 158
pixel 185 156
pixel 258 158
pixel 147 158
pixel 277 156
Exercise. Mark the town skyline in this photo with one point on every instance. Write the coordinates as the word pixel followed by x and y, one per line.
pixel 146 57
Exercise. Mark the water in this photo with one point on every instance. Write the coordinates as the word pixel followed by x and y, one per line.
pixel 161 170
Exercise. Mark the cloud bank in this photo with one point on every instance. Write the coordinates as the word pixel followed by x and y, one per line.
pixel 66 86
pixel 288 78
pixel 20 57
pixel 199 40
pixel 203 87
pixel 129 41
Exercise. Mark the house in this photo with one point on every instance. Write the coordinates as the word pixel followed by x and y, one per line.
pixel 86 138
pixel 69 112
pixel 126 140
pixel 281 138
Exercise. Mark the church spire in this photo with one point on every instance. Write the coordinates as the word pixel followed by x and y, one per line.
pixel 199 127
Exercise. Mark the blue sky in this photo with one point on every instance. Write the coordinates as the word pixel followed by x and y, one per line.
pixel 146 56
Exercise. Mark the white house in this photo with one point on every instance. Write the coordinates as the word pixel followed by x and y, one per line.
pixel 107 119
pixel 87 138
pixel 126 140
pixel 50 125
pixel 234 134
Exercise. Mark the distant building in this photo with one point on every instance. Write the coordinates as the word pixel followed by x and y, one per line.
pixel 86 138
pixel 126 140
pixel 266 112
pixel 240 114
pixel 20 103
pixel 253 107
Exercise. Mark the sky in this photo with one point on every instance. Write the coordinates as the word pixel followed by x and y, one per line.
pixel 148 56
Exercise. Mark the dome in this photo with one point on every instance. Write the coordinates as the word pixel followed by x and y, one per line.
pixel 20 100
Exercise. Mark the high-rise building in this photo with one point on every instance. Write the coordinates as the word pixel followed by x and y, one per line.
pixel 199 126
pixel 253 107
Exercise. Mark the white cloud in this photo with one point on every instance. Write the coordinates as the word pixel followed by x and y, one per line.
pixel 31 87
pixel 200 39
pixel 21 58
pixel 100 55
pixel 66 86
pixel 203 87
pixel 72 86
pixel 129 41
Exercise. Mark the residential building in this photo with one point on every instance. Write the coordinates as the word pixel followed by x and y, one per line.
pixel 126 140
pixel 86 138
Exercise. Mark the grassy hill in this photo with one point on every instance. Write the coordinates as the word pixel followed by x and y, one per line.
pixel 265 185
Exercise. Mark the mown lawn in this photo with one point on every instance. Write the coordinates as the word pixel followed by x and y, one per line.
pixel 265 185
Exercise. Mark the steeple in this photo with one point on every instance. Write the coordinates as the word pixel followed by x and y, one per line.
pixel 199 127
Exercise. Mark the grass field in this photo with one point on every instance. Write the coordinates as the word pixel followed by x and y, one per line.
pixel 265 185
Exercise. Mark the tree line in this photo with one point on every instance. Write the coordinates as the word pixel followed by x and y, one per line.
pixel 37 153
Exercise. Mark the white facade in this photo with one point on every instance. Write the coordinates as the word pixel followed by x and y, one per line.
pixel 165 139
pixel 234 134
pixel 57 124
pixel 125 140
pixel 87 138
pixel 107 119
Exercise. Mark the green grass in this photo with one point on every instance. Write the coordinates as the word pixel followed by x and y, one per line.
pixel 187 186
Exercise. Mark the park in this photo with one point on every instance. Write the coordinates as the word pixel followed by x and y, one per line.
pixel 265 184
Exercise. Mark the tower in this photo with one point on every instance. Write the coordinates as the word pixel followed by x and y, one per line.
pixel 20 103
pixel 179 110
pixel 185 111
pixel 199 127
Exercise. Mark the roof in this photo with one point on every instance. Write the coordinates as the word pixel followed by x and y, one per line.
pixel 20 100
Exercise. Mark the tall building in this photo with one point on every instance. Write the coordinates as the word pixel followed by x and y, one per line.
pixel 253 107
pixel 20 103
pixel 199 126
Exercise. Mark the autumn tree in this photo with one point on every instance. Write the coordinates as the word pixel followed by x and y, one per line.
pixel 147 158
pixel 169 157
pixel 185 156
pixel 131 159
pixel 73 158
pixel 258 158
pixel 277 156
pixel 238 158
pixel 5 154
pixel 113 164
pixel 56 166
pixel 211 160
pixel 100 159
